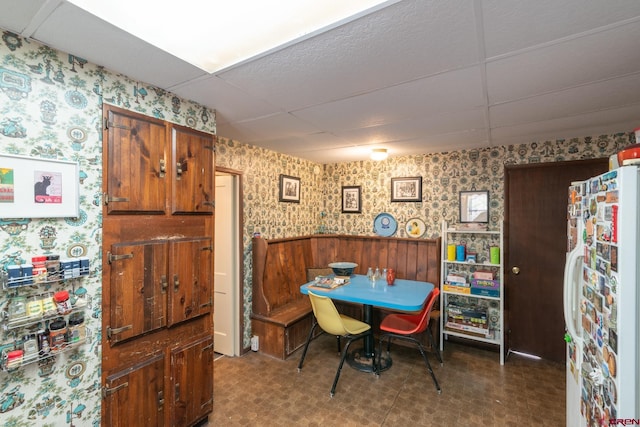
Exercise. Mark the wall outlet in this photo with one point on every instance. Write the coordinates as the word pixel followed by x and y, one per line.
pixel 255 343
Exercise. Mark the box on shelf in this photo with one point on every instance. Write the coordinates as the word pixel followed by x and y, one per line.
pixel 483 274
pixel 456 278
pixel 485 292
pixel 449 287
pixel 485 284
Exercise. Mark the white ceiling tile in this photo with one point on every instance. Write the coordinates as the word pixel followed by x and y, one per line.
pixel 231 103
pixel 622 119
pixel 511 25
pixel 407 40
pixel 454 91
pixel 575 62
pixel 570 102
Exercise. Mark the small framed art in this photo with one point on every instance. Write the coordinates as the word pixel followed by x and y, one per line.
pixel 406 189
pixel 351 199
pixel 289 189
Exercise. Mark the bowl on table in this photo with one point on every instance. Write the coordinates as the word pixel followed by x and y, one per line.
pixel 343 268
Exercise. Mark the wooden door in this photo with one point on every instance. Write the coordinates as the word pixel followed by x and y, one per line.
pixel 138 289
pixel 136 163
pixel 190 276
pixel 193 171
pixel 135 396
pixel 536 240
pixel 192 382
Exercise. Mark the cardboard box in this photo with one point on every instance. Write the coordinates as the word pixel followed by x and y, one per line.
pixel 485 292
pixel 483 274
pixel 456 289
pixel 485 284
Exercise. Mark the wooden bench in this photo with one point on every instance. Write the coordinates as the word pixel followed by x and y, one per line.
pixel 282 316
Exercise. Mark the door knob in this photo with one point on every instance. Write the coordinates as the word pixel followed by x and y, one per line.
pixel 515 270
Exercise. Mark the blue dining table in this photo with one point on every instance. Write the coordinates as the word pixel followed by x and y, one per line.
pixel 403 295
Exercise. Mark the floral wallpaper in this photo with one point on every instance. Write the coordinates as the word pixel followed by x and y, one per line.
pixel 443 176
pixel 51 108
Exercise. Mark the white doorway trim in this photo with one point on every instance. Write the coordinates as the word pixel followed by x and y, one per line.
pixel 228 261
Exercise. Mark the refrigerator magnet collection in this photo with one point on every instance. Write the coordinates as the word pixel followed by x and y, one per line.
pixel 601 299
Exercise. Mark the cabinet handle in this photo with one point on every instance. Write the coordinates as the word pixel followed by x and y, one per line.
pixel 179 170
pixel 176 283
pixel 177 396
pixel 163 282
pixel 163 168
pixel 160 399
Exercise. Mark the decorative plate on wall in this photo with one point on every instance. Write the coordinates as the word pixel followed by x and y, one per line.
pixel 415 227
pixel 385 225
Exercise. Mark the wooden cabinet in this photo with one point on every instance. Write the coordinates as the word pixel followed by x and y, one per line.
pixel 140 168
pixel 157 271
pixel 136 396
pixel 192 394
pixel 191 279
pixel 136 163
pixel 193 175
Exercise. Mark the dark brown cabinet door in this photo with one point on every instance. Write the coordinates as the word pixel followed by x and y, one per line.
pixel 192 382
pixel 138 289
pixel 193 153
pixel 135 396
pixel 190 278
pixel 136 162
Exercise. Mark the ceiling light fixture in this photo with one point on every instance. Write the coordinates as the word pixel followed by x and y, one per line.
pixel 378 154
pixel 240 29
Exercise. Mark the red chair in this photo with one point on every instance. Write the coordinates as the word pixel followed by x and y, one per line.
pixel 407 326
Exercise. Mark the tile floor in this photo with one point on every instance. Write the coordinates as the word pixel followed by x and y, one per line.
pixel 257 390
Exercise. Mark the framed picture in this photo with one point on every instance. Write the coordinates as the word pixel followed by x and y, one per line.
pixel 406 189
pixel 289 189
pixel 38 188
pixel 474 206
pixel 351 199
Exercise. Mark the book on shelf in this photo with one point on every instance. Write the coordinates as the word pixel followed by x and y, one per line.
pixel 329 282
pixel 456 278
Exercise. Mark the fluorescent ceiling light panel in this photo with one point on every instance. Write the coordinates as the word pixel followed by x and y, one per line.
pixel 214 35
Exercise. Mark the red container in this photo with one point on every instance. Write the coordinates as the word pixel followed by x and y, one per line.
pixel 391 276
pixel 630 155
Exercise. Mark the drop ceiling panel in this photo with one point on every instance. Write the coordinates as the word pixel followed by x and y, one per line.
pixel 402 42
pixel 230 102
pixel 279 125
pixel 418 127
pixel 575 62
pixel 16 19
pixel 513 25
pixel 622 119
pixel 457 90
pixel 599 96
pixel 72 30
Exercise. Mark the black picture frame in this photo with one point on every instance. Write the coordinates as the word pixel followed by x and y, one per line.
pixel 289 189
pixel 406 189
pixel 351 199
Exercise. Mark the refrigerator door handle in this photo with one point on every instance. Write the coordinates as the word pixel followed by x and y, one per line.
pixel 574 258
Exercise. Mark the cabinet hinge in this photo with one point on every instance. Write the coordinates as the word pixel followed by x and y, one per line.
pixel 108 124
pixel 210 147
pixel 108 199
pixel 212 204
pixel 207 248
pixel 106 391
pixel 115 331
pixel 111 257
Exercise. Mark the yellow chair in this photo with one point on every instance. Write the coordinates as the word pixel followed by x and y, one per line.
pixel 334 323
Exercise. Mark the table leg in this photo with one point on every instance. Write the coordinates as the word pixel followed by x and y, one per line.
pixel 363 358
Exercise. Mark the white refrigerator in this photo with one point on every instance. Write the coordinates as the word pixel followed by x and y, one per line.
pixel 602 300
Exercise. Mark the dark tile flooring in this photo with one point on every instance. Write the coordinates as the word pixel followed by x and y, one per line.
pixel 258 390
